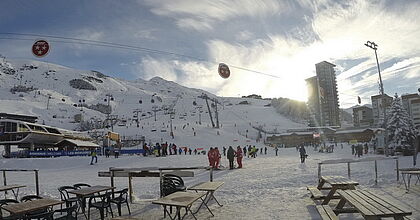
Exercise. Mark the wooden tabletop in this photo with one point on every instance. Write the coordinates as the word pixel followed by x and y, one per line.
pixel 24 207
pixel 90 190
pixel 371 205
pixel 10 187
pixel 207 186
pixel 181 199
pixel 338 180
pixel 412 172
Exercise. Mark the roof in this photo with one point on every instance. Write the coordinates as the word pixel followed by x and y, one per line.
pixel 79 143
pixel 325 62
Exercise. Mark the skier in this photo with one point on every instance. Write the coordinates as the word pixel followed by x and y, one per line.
pixel 302 152
pixel 230 156
pixel 224 151
pixel 265 150
pixel 239 156
pixel 93 155
pixel 245 151
pixel 276 149
pixel 195 151
pixel 107 153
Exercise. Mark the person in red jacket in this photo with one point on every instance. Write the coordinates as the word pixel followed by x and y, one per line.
pixel 210 156
pixel 216 158
pixel 239 156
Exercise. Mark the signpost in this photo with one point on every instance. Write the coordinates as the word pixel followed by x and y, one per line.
pixel 40 48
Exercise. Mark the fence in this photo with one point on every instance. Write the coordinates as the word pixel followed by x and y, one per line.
pixel 349 161
pixel 17 170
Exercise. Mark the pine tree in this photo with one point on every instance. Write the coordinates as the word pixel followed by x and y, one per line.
pixel 400 127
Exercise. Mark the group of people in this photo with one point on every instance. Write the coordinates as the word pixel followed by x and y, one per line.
pixel 357 150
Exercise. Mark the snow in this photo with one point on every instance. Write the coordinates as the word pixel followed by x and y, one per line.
pixel 268 187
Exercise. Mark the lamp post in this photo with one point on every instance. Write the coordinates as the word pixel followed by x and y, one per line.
pixel 108 99
pixel 374 46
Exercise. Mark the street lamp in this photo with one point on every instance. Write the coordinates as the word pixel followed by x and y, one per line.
pixel 374 46
pixel 108 99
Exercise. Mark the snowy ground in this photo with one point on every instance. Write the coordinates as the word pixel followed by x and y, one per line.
pixel 268 187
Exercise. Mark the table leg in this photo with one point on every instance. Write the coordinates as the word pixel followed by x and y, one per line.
pixel 321 184
pixel 330 195
pixel 203 201
pixel 405 184
pixel 214 198
pixel 16 194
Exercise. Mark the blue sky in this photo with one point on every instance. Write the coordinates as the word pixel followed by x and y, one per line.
pixel 284 38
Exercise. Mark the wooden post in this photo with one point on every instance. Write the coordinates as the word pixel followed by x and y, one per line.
pixel 211 174
pixel 37 182
pixel 376 172
pixel 348 170
pixel 398 171
pixel 130 187
pixel 319 172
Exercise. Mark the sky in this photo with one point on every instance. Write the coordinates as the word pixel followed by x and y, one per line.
pixel 185 40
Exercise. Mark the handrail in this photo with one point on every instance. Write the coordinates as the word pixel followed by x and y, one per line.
pixel 23 170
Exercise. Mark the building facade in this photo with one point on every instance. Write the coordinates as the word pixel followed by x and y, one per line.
pixel 378 105
pixel 411 103
pixel 362 116
pixel 323 100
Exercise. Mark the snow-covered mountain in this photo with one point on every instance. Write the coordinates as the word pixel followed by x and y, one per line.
pixel 59 95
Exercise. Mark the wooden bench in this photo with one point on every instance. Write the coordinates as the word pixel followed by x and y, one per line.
pixel 326 212
pixel 316 194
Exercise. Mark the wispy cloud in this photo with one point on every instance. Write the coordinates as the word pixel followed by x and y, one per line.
pixel 204 15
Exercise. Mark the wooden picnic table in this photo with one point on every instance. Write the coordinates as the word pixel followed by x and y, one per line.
pixel 407 174
pixel 25 207
pixel 209 188
pixel 12 188
pixel 336 182
pixel 180 200
pixel 370 205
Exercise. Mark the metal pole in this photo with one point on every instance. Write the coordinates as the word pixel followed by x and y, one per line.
pixel 4 182
pixel 319 171
pixel 4 177
pixel 111 172
pixel 348 169
pixel 376 172
pixel 379 71
pixel 211 174
pixel 36 182
pixel 130 187
pixel 398 169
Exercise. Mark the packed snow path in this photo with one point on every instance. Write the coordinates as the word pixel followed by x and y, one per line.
pixel 268 187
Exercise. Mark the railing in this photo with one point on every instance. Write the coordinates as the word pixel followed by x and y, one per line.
pixel 367 159
pixel 148 172
pixel 19 170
